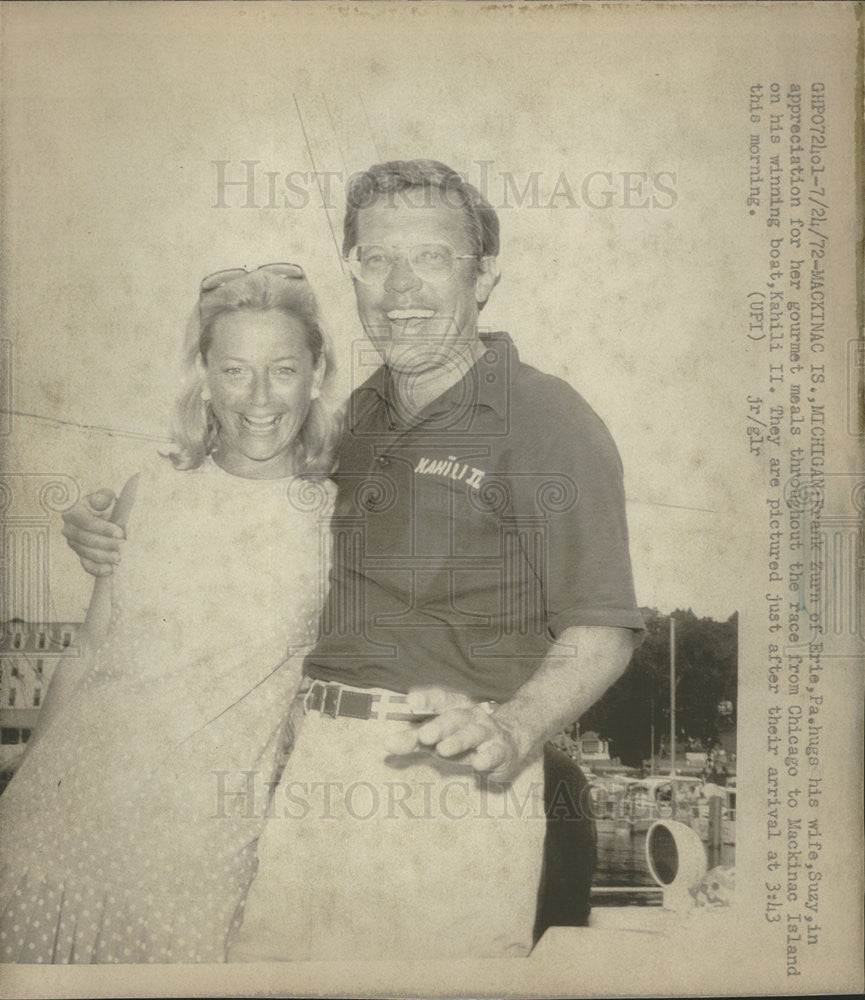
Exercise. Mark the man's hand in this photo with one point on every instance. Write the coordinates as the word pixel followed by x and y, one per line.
pixel 89 533
pixel 461 729
pixel 578 668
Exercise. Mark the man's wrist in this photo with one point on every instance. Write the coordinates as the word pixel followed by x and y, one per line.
pixel 508 720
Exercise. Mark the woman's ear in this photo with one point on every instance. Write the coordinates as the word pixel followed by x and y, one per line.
pixel 201 369
pixel 318 377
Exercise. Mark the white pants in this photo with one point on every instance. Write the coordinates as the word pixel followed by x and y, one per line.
pixel 367 856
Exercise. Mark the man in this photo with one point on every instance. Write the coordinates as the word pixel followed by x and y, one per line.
pixel 481 600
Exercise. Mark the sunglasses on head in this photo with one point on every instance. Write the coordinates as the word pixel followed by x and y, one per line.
pixel 220 278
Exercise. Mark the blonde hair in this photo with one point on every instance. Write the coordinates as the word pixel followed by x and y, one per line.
pixel 194 428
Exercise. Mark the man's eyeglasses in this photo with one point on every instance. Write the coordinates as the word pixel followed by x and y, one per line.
pixel 220 278
pixel 371 263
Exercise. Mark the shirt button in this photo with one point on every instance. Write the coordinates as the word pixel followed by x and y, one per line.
pixel 383 461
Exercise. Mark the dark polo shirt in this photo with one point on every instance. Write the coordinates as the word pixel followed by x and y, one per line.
pixel 465 541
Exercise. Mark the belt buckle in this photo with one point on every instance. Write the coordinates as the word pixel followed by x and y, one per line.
pixel 330 705
pixel 312 701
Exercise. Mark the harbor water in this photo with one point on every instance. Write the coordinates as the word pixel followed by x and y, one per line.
pixel 622 865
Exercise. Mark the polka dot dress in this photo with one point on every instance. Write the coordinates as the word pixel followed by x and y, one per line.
pixel 129 831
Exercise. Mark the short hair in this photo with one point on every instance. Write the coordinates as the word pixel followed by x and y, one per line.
pixel 399 175
pixel 194 428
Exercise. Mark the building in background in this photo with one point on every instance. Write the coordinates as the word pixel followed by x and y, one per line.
pixel 31 643
pixel 29 655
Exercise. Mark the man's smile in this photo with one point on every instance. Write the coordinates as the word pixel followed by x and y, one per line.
pixel 411 313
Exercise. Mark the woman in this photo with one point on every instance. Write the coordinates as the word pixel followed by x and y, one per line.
pixel 129 830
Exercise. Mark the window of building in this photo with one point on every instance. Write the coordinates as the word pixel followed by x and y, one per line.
pixel 37 697
pixel 12 694
pixel 9 735
pixel 16 642
pixel 41 643
pixel 15 671
pixel 67 639
pixel 39 668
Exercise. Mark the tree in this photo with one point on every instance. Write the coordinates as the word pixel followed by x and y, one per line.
pixel 706 675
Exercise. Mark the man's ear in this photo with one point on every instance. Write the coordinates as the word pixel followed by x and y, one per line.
pixel 486 279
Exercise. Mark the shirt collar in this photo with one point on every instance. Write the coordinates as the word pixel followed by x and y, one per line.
pixel 486 384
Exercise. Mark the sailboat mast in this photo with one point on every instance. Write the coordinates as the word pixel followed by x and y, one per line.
pixel 673 708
